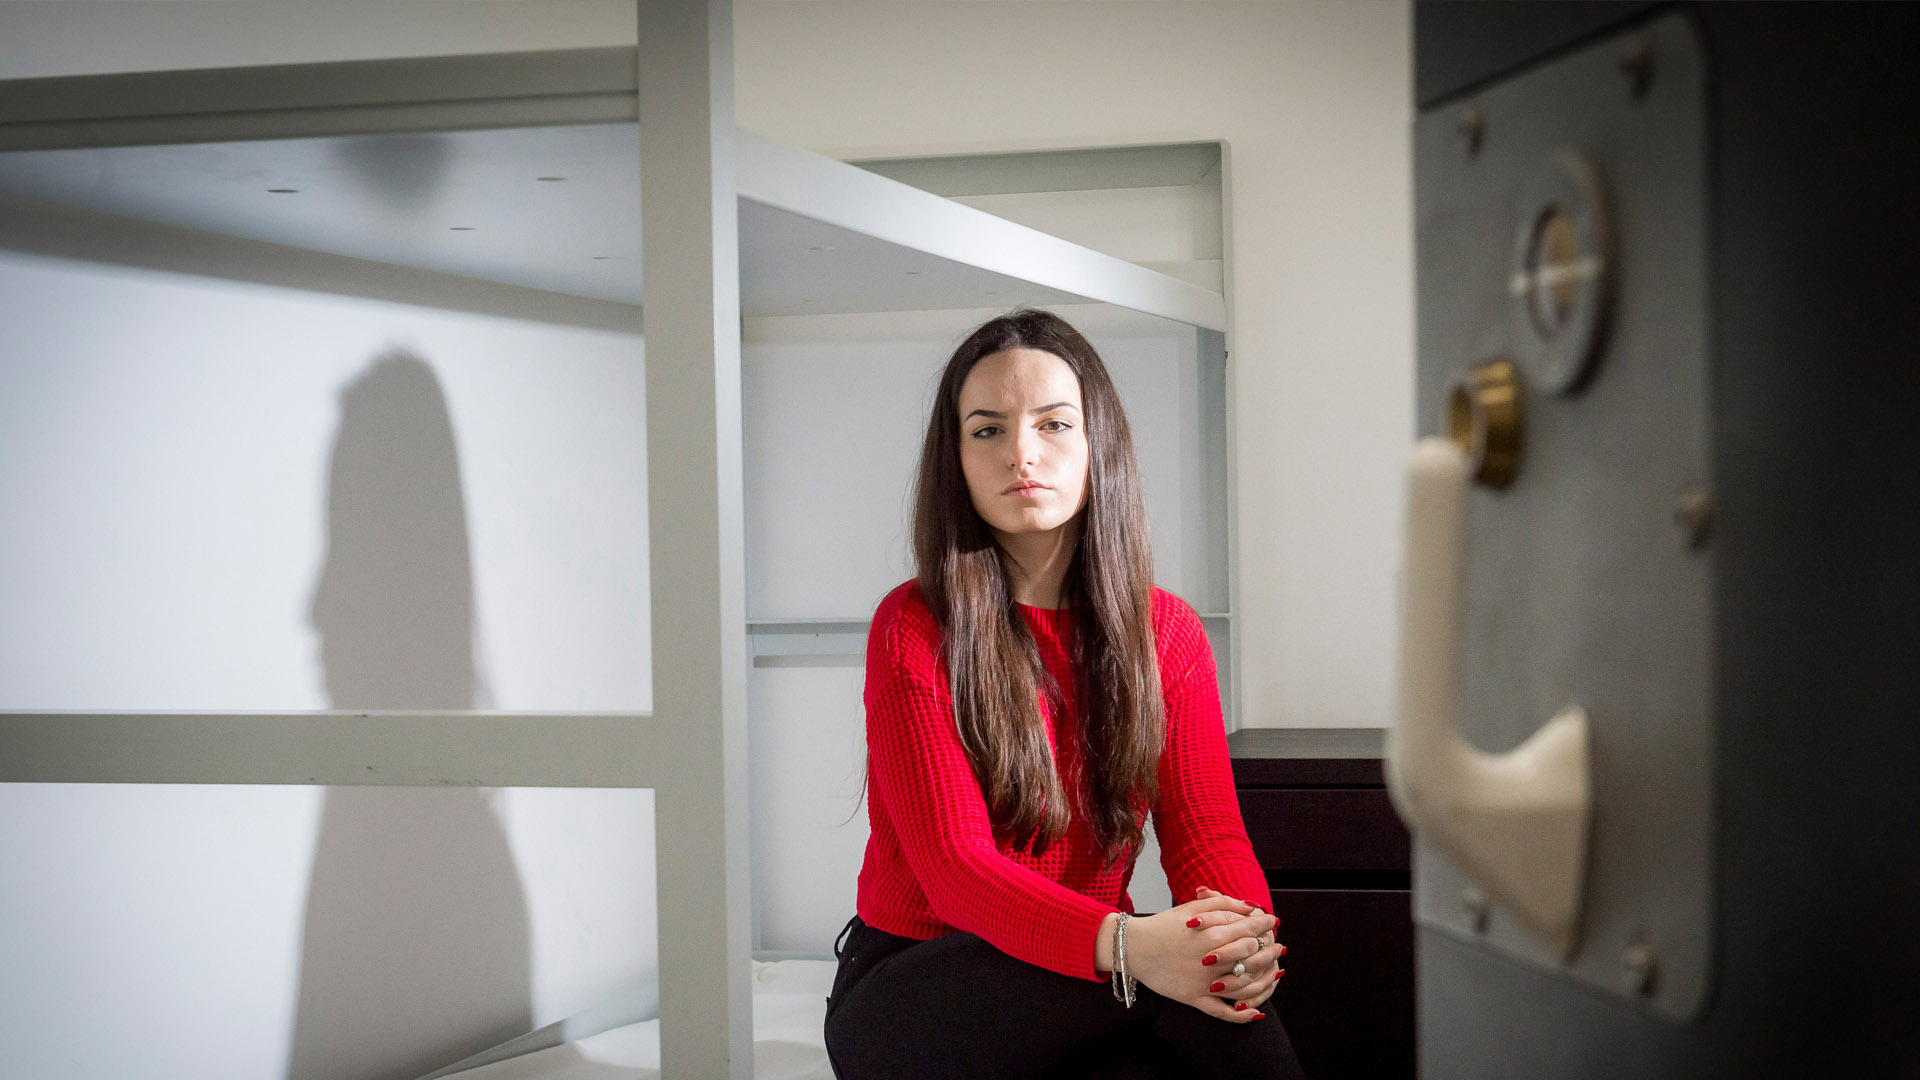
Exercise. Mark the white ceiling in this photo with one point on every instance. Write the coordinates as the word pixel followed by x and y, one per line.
pixel 389 198
pixel 474 203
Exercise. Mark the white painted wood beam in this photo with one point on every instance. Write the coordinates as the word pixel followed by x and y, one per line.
pixel 817 187
pixel 690 255
pixel 288 101
pixel 398 748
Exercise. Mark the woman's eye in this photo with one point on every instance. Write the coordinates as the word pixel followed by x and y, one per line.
pixel 1056 425
pixel 985 431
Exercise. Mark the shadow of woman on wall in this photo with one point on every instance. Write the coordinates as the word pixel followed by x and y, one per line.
pixel 416 948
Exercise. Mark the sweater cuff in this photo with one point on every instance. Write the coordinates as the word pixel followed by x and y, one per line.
pixel 1086 931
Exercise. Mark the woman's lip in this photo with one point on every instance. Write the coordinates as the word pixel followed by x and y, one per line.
pixel 1024 489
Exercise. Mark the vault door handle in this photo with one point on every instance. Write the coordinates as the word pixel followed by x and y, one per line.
pixel 1516 823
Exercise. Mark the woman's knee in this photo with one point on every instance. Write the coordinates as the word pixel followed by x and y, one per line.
pixel 1197 1044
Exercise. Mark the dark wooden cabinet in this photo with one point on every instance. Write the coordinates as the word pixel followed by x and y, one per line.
pixel 1337 862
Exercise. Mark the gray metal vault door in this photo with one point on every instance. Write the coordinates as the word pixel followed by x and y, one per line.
pixel 1562 310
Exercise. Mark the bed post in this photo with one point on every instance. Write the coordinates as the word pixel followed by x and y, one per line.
pixel 691 265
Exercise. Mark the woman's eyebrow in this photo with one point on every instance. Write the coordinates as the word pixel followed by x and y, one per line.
pixel 1034 412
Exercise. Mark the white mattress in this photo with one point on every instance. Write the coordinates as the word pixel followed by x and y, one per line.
pixel 789 1018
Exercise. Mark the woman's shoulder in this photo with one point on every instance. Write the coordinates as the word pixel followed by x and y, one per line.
pixel 1177 632
pixel 1174 617
pixel 903 623
pixel 903 602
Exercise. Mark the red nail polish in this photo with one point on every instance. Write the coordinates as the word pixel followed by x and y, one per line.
pixel 1195 921
pixel 1259 1016
pixel 1279 973
pixel 1212 959
pixel 1239 1006
pixel 1216 988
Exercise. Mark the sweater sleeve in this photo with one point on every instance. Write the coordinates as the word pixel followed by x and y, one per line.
pixel 1203 840
pixel 921 776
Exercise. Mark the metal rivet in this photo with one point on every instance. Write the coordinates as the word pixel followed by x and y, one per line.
pixel 1638 967
pixel 1473 127
pixel 1474 904
pixel 1637 66
pixel 1693 513
pixel 1483 418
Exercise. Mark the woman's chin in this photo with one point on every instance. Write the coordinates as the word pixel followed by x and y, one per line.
pixel 1028 524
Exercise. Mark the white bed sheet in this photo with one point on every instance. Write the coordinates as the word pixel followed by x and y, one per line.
pixel 789 1042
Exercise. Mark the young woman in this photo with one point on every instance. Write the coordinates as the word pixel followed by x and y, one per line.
pixel 1031 697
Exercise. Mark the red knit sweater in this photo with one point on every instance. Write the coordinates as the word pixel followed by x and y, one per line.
pixel 932 864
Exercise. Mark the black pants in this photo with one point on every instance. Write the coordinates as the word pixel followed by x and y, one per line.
pixel 956 1006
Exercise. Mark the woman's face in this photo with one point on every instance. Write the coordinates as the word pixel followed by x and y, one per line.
pixel 1023 441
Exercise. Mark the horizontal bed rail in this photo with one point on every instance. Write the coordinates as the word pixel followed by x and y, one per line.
pixel 631 750
pixel 352 97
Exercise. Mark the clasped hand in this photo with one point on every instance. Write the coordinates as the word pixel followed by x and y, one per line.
pixel 1187 953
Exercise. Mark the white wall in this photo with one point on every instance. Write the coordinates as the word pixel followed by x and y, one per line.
pixel 220 497
pixel 168 443
pixel 190 932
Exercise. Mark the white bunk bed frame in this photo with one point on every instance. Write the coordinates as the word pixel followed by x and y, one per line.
pixel 700 181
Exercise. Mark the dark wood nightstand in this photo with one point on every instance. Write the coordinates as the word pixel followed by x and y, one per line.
pixel 1337 861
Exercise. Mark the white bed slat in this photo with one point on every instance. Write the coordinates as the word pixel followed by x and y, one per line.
pixel 405 748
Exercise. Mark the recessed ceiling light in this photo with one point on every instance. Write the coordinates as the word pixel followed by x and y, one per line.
pixel 913 273
pixel 283 191
pixel 601 258
pixel 819 247
pixel 550 179
pixel 459 228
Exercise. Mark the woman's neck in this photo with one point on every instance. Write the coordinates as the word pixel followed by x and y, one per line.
pixel 1037 563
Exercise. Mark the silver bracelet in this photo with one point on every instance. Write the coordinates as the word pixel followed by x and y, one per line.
pixel 1124 985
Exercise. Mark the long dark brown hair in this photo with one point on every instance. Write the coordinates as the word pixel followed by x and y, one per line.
pixel 993 664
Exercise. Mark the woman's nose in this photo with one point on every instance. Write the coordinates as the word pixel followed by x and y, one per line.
pixel 1026 449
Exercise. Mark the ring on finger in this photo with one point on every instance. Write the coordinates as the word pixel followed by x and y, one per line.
pixel 1239 967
